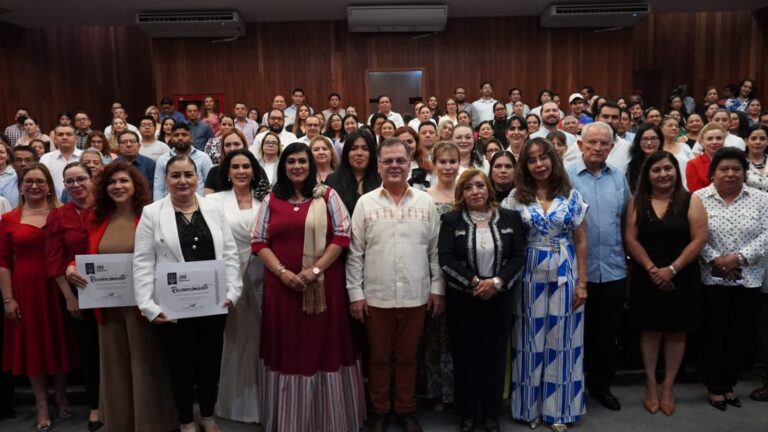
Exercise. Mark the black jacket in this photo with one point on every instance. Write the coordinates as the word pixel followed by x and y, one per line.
pixel 457 254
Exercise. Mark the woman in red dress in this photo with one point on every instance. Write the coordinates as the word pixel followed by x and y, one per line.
pixel 67 236
pixel 37 339
pixel 309 370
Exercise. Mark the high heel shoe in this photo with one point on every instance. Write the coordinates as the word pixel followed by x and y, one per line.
pixel 651 406
pixel 733 401
pixel 668 408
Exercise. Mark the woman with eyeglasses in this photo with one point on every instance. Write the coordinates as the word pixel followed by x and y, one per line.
pixel 67 236
pixel 647 142
pixel 37 338
pixel 268 154
pixel 135 391
pixel 97 140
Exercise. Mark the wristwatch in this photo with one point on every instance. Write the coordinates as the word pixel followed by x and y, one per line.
pixel 316 271
pixel 497 282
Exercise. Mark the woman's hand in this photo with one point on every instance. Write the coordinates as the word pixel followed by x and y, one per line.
pixel 12 311
pixel 726 263
pixel 228 304
pixel 485 289
pixel 662 276
pixel 75 278
pixel 580 295
pixel 292 280
pixel 307 276
pixel 73 307
pixel 161 319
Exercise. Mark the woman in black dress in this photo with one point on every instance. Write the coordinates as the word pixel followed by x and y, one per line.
pixel 666 228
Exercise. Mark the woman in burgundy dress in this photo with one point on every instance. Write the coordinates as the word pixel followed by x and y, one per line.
pixel 37 339
pixel 67 236
pixel 309 368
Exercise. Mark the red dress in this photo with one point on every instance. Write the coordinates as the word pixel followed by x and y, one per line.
pixel 292 341
pixel 41 343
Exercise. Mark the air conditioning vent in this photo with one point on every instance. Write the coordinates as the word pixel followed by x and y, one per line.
pixel 595 15
pixel 191 24
pixel 426 18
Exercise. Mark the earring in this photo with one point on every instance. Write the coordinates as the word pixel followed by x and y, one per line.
pixel 229 179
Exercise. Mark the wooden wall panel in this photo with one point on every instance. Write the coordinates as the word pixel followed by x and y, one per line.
pixel 49 70
pixel 65 69
pixel 700 49
pixel 323 56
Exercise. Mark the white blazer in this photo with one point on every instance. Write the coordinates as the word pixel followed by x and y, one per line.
pixel 157 241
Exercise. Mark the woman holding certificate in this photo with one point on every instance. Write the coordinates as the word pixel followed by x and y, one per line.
pixel 135 392
pixel 181 228
pixel 36 340
pixel 309 370
pixel 67 236
pixel 242 194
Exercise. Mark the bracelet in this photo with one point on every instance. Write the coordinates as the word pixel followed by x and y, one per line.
pixel 673 269
pixel 742 259
pixel 650 268
pixel 279 270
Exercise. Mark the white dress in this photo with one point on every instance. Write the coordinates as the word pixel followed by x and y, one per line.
pixel 238 384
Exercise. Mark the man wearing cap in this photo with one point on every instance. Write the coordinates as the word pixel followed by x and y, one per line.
pixel 576 101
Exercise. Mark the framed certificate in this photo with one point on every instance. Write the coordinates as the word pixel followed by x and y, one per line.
pixel 110 280
pixel 191 289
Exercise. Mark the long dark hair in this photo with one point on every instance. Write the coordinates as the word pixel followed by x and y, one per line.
pixel 259 182
pixel 496 156
pixel 343 180
pixel 329 132
pixel 645 190
pixel 636 155
pixel 283 188
pixel 525 185
pixel 104 205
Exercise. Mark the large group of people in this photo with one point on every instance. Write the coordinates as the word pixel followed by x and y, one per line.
pixel 460 255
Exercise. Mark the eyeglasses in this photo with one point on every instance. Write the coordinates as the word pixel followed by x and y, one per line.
pixel 133 141
pixel 649 139
pixel 398 161
pixel 80 180
pixel 38 182
pixel 275 118
pixel 270 143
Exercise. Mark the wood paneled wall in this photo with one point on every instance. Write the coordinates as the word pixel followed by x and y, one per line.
pixel 700 49
pixel 70 68
pixel 323 56
pixel 54 69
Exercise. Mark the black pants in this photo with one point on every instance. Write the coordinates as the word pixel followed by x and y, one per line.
pixel 193 348
pixel 479 333
pixel 6 379
pixel 603 312
pixel 87 335
pixel 728 313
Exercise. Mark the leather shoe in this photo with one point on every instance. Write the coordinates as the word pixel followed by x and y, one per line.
pixel 467 425
pixel 607 400
pixel 719 404
pixel 408 423
pixel 492 425
pixel 733 401
pixel 378 422
pixel 93 426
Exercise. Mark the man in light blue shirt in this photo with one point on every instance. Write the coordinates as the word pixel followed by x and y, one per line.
pixel 9 181
pixel 605 189
pixel 182 141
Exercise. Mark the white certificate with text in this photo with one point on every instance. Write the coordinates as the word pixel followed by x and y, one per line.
pixel 191 289
pixel 110 280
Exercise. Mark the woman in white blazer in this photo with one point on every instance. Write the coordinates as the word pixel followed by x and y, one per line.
pixel 185 227
pixel 240 199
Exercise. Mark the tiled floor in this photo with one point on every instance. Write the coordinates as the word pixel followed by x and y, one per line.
pixel 693 414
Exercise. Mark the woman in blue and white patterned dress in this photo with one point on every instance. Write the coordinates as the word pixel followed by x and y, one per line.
pixel 547 337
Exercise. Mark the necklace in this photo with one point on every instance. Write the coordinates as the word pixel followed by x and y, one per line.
pixel 296 202
pixel 483 235
pixel 760 165
pixel 480 217
pixel 36 210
